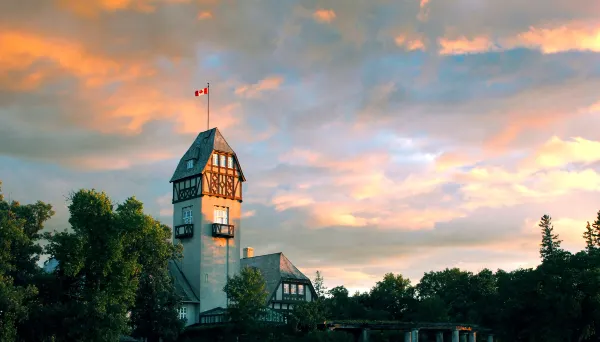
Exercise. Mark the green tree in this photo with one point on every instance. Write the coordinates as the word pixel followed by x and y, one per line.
pixel 154 313
pixel 19 252
pixel 590 237
pixel 319 286
pixel 392 294
pixel 307 315
pixel 97 275
pixel 596 228
pixel 550 245
pixel 247 294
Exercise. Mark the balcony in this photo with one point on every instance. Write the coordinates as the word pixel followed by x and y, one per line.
pixel 223 230
pixel 184 231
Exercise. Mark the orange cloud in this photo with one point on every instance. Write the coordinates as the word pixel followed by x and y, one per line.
pixel 463 45
pixel 204 15
pixel 91 8
pixel 20 50
pixel 409 44
pixel 284 201
pixel 449 160
pixel 254 90
pixel 324 16
pixel 559 39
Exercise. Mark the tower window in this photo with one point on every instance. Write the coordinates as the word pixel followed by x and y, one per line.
pixel 216 159
pixel 230 162
pixel 300 289
pixel 223 161
pixel 182 312
pixel 221 215
pixel 190 164
pixel 286 288
pixel 187 215
pixel 293 289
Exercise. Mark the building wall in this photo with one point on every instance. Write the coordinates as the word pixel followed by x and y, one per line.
pixel 217 253
pixel 191 263
pixel 192 313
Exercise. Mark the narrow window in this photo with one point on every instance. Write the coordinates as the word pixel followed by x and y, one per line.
pixel 187 215
pixel 286 288
pixel 301 289
pixel 221 215
pixel 182 312
pixel 190 164
pixel 206 277
pixel 216 159
pixel 223 161
pixel 230 162
pixel 293 289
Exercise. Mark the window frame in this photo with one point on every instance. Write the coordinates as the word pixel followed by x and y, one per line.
pixel 221 215
pixel 230 162
pixel 190 164
pixel 215 159
pixel 187 219
pixel 182 312
pixel 286 286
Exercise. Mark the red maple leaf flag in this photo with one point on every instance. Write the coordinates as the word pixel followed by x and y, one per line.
pixel 201 92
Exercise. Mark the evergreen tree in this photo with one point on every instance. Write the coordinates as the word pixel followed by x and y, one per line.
pixel 596 229
pixel 320 288
pixel 590 237
pixel 550 245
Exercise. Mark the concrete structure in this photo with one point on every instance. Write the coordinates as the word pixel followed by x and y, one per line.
pixel 207 209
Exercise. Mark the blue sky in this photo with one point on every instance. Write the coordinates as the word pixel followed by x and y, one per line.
pixel 376 136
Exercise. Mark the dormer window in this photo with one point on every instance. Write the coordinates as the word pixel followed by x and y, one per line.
pixel 223 161
pixel 215 159
pixel 190 164
pixel 230 162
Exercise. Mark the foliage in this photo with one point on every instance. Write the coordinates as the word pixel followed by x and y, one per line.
pixel 320 288
pixel 247 294
pixel 550 245
pixel 307 315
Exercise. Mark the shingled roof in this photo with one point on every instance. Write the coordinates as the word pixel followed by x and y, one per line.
pixel 182 286
pixel 274 268
pixel 206 142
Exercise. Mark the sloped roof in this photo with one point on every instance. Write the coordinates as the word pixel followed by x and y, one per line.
pixel 182 286
pixel 206 142
pixel 274 268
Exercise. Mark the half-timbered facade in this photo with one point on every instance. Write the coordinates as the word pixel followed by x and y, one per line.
pixel 207 197
pixel 207 200
pixel 286 285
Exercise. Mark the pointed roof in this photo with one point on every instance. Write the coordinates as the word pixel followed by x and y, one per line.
pixel 206 142
pixel 274 268
pixel 182 285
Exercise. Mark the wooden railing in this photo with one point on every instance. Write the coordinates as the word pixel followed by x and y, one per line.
pixel 223 230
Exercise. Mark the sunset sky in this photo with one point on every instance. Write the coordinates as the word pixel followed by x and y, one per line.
pixel 376 136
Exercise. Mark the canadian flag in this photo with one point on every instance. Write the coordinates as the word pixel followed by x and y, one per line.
pixel 201 92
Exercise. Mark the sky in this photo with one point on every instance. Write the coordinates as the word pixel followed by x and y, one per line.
pixel 376 136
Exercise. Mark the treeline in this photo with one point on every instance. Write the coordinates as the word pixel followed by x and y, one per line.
pixel 111 278
pixel 558 301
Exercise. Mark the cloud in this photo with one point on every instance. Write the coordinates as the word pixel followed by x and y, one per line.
pixel 429 133
pixel 324 15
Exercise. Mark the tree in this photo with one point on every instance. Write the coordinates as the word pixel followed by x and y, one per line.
pixel 596 226
pixel 590 237
pixel 307 315
pixel 154 313
pixel 550 245
pixel 97 275
pixel 319 287
pixel 247 294
pixel 19 252
pixel 392 294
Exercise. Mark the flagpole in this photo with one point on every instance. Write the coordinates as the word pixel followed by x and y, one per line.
pixel 208 107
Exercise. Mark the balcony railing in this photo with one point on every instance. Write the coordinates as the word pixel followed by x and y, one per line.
pixel 184 231
pixel 223 230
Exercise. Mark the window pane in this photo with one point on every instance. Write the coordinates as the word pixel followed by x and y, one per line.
pixel 223 161
pixel 215 159
pixel 190 164
pixel 286 288
pixel 230 162
pixel 301 289
pixel 293 289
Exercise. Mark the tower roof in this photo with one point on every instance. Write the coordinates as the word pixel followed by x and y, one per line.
pixel 206 142
pixel 275 268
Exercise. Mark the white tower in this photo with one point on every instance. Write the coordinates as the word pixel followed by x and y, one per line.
pixel 207 203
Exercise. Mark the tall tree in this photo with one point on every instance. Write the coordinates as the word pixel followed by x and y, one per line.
pixel 550 245
pixel 392 294
pixel 247 293
pixel 98 275
pixel 19 253
pixel 596 228
pixel 154 314
pixel 590 237
pixel 319 286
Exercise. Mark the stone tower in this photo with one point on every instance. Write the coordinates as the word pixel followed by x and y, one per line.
pixel 207 203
